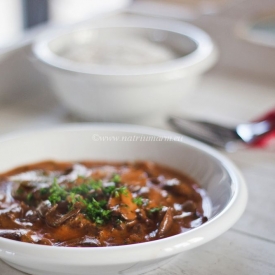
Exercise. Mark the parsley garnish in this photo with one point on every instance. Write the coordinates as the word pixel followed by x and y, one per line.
pixel 20 191
pixel 89 195
pixel 155 209
pixel 29 197
pixel 116 178
pixel 44 191
pixel 120 191
pixel 81 189
pixel 96 212
pixel 95 184
pixel 86 187
pixel 57 193
pixel 138 201
pixel 108 190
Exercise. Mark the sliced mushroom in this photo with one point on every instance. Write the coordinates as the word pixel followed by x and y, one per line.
pixel 141 214
pixel 166 223
pixel 189 206
pixel 54 219
pixel 80 222
pixel 182 215
pixel 131 224
pixel 179 188
pixel 31 216
pixel 43 208
pixel 23 235
pixel 15 234
pixel 188 209
pixel 157 180
pixel 138 229
pixel 86 241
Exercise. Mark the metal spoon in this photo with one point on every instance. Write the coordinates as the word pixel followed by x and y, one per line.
pixel 224 137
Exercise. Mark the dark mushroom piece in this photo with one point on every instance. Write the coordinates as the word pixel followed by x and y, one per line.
pixel 31 216
pixel 189 206
pixel 43 208
pixel 157 180
pixel 179 188
pixel 15 234
pixel 31 237
pixel 54 219
pixel 166 223
pixel 141 214
pixel 86 241
pixel 23 235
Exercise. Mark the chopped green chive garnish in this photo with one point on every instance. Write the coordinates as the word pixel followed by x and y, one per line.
pixel 120 191
pixel 94 210
pixel 29 197
pixel 116 178
pixel 155 209
pixel 44 191
pixel 19 191
pixel 57 193
pixel 138 201
pixel 109 190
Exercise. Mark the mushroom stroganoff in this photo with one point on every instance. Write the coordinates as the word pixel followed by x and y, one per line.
pixel 93 204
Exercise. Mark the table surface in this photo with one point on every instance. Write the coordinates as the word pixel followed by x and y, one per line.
pixel 248 247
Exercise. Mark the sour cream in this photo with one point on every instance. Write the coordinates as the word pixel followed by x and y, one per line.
pixel 133 51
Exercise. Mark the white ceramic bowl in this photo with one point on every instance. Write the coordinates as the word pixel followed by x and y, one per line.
pixel 221 179
pixel 125 93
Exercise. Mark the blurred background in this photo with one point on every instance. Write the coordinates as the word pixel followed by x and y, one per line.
pixel 224 20
pixel 17 16
pixel 243 31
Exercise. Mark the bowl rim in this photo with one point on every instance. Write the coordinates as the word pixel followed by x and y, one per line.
pixel 158 249
pixel 201 59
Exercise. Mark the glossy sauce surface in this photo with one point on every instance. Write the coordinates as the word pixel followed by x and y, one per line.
pixel 91 204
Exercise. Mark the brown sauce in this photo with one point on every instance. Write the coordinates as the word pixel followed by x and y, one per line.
pixel 90 204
